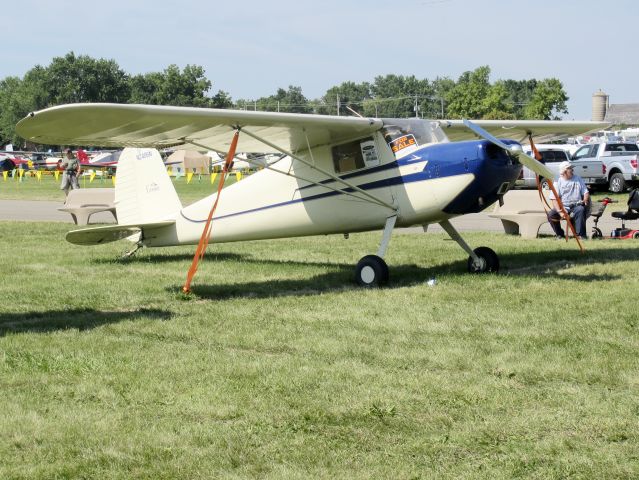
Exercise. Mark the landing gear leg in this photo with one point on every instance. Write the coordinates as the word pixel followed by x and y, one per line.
pixel 371 270
pixel 132 252
pixel 481 260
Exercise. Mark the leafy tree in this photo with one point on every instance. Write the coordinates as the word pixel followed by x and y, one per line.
pixel 496 105
pixel 349 94
pixel 400 96
pixel 291 100
pixel 519 94
pixel 72 79
pixel 548 101
pixel 466 98
pixel 173 87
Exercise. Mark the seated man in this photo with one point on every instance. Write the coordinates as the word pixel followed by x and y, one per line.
pixel 575 196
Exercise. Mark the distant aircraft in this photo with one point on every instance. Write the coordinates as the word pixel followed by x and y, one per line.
pixel 339 174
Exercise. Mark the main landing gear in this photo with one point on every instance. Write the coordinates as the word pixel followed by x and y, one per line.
pixel 481 260
pixel 372 271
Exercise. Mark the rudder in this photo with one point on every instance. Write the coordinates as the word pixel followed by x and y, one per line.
pixel 143 190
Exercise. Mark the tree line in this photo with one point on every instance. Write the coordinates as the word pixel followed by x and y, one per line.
pixel 81 78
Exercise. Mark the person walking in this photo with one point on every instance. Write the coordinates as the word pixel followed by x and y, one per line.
pixel 70 172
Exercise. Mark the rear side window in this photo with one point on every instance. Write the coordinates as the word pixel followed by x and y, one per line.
pixel 553 156
pixel 622 147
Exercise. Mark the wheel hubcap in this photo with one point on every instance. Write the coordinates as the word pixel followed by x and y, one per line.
pixel 367 274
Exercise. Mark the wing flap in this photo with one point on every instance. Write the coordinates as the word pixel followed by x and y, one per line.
pixel 111 233
pixel 116 125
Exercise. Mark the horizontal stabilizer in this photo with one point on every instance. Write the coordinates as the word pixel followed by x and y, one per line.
pixel 111 233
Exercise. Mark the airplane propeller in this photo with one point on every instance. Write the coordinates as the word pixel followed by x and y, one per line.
pixel 530 162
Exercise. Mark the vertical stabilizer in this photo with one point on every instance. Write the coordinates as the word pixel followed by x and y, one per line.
pixel 143 190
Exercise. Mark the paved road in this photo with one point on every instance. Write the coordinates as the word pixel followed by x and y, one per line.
pixel 47 211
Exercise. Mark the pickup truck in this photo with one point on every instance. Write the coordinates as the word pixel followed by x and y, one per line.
pixel 591 170
pixel 620 160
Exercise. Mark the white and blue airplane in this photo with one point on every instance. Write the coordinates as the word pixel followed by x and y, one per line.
pixel 339 174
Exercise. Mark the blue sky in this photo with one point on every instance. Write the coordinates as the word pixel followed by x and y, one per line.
pixel 251 48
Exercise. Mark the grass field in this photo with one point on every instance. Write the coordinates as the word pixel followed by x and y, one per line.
pixel 278 366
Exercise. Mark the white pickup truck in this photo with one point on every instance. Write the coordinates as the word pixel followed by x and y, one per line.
pixel 591 170
pixel 620 159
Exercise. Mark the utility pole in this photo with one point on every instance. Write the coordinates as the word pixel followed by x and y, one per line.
pixel 416 111
pixel 338 104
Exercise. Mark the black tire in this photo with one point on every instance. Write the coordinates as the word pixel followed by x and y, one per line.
pixel 635 235
pixel 596 233
pixel 371 271
pixel 616 183
pixel 490 261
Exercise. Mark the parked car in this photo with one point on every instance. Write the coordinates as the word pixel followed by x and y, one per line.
pixel 591 170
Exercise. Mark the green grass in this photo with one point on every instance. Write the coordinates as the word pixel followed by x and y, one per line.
pixel 29 188
pixel 278 366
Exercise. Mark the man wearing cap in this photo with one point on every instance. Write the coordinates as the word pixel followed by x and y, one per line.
pixel 575 197
pixel 71 170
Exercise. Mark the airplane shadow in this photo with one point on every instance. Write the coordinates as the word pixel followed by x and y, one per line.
pixel 549 264
pixel 81 319
pixel 215 257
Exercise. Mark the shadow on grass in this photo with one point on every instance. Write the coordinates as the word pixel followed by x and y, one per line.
pixel 549 264
pixel 81 319
pixel 172 257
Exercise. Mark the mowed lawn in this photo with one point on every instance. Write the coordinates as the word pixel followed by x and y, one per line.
pixel 278 366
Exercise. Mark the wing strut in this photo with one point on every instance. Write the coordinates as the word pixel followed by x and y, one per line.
pixel 206 233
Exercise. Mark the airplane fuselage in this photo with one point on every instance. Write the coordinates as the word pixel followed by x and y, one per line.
pixel 428 185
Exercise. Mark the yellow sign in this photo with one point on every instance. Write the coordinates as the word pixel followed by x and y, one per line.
pixel 56 174
pixel 91 177
pixel 113 179
pixel 189 176
pixel 5 174
pixel 213 177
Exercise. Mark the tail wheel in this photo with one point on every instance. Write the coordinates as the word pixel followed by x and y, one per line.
pixel 596 233
pixel 371 271
pixel 488 261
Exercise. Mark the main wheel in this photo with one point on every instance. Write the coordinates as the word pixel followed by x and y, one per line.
pixel 488 261
pixel 617 183
pixel 635 235
pixel 371 271
pixel 596 233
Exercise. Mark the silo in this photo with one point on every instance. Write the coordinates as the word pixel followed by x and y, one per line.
pixel 599 106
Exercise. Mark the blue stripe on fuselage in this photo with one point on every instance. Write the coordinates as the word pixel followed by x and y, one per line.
pixel 443 160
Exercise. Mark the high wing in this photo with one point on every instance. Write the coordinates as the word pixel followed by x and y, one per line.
pixel 116 125
pixel 541 130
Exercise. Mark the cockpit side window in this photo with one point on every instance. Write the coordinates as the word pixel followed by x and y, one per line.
pixel 350 156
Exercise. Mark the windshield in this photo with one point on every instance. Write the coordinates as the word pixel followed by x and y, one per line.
pixel 406 135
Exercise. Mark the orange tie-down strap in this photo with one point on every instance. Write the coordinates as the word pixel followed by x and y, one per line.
pixel 206 233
